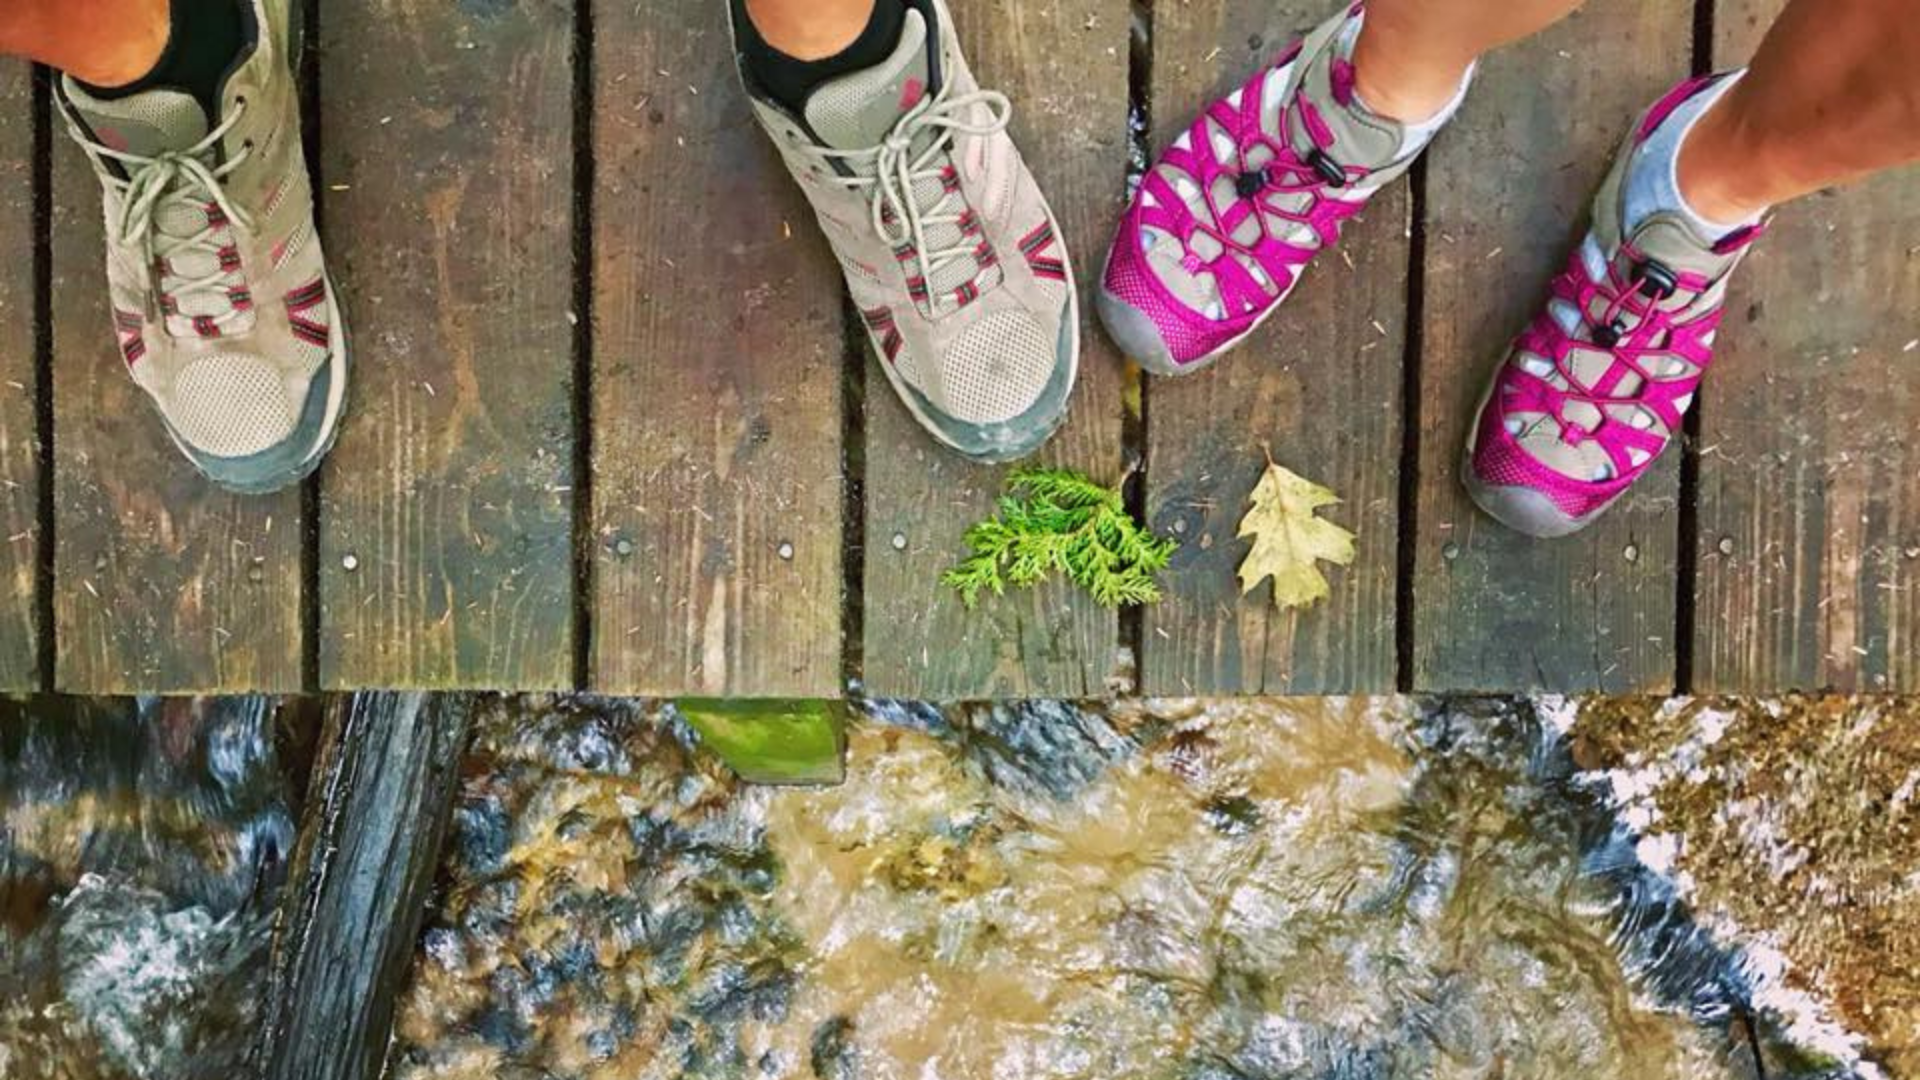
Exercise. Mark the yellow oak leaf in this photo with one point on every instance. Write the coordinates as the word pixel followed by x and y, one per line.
pixel 1288 538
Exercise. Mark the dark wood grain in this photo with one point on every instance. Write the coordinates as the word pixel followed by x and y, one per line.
pixel 20 531
pixel 162 582
pixel 1319 387
pixel 718 343
pixel 382 793
pixel 1809 511
pixel 446 508
pixel 1508 189
pixel 1064 65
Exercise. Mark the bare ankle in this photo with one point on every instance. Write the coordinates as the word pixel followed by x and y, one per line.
pixel 1400 85
pixel 125 55
pixel 1721 179
pixel 809 30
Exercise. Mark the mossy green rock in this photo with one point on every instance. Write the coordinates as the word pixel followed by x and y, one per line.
pixel 769 741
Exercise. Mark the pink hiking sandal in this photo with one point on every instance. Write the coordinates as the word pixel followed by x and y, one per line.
pixel 1593 391
pixel 1225 222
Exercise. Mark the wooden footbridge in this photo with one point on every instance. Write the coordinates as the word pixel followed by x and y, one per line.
pixel 613 428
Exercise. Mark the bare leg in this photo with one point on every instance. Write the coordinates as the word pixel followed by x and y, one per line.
pixel 810 29
pixel 1412 54
pixel 104 42
pixel 1832 95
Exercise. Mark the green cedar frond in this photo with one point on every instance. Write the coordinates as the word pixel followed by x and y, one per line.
pixel 1058 520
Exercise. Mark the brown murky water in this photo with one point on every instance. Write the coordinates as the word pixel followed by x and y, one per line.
pixel 1250 890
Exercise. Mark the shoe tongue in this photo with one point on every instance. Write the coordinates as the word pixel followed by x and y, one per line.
pixel 1671 240
pixel 856 111
pixel 148 123
pixel 1361 138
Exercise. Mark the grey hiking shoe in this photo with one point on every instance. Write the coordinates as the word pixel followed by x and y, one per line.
pixel 947 245
pixel 220 297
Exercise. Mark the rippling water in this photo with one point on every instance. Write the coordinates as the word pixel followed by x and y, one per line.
pixel 1330 890
pixel 141 851
pixel 1259 890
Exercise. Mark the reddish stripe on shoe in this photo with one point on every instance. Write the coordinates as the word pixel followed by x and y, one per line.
pixel 308 331
pixel 1040 239
pixel 307 296
pixel 1052 269
pixel 1034 244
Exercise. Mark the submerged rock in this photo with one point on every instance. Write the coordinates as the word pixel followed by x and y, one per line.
pixel 604 907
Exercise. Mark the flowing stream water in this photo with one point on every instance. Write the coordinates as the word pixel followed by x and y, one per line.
pixel 1300 890
pixel 142 849
pixel 1329 890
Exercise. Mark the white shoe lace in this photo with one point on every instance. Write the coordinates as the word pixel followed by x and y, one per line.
pixel 894 171
pixel 173 179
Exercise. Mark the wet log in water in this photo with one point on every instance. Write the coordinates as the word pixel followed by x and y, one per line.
pixel 381 795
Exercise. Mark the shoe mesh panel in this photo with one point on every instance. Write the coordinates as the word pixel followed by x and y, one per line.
pixel 144 123
pixel 997 367
pixel 296 241
pixel 231 406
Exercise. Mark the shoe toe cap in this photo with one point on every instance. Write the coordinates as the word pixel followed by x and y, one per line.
pixel 1150 323
pixel 1135 332
pixel 1521 509
pixel 998 367
pixel 231 405
pixel 272 434
pixel 1009 379
pixel 1522 493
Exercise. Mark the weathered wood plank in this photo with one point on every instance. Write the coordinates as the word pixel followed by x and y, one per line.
pixel 1508 189
pixel 446 509
pixel 163 583
pixel 360 880
pixel 718 343
pixel 1809 510
pixel 1064 65
pixel 1319 388
pixel 20 479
